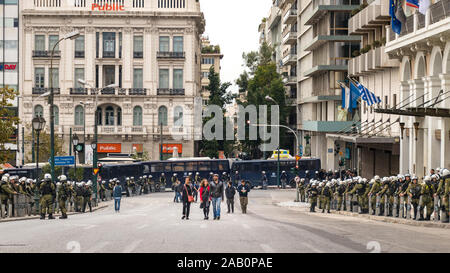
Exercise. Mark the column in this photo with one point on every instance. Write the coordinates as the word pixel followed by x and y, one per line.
pixel 404 142
pixel 100 76
pixel 127 58
pixel 116 74
pixel 433 86
pixel 90 43
pixel 445 143
pixel 417 146
pixel 116 52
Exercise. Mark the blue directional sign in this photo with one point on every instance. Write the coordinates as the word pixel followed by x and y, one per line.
pixel 63 160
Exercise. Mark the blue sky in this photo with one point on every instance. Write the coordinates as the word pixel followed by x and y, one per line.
pixel 233 24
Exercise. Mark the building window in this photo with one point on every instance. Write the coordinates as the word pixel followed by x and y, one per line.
pixel 38 111
pixel 137 116
pixel 178 116
pixel 79 75
pixel 53 76
pixel 79 47
pixel 52 41
pixel 39 42
pixel 56 114
pixel 137 78
pixel 162 116
pixel 109 44
pixel 79 115
pixel 178 79
pixel 205 75
pixel 99 116
pixel 208 61
pixel 164 44
pixel 178 44
pixel 109 114
pixel 164 78
pixel 39 77
pixel 119 116
pixel 138 47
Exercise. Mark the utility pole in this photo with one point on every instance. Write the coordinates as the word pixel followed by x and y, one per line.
pixel 23 146
pixel 161 141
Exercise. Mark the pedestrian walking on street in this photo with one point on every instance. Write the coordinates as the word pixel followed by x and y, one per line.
pixel 205 197
pixel 187 198
pixel 243 190
pixel 217 195
pixel 230 191
pixel 117 193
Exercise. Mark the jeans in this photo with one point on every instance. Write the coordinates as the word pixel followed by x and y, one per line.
pixel 117 203
pixel 216 206
pixel 186 209
pixel 177 197
pixel 230 205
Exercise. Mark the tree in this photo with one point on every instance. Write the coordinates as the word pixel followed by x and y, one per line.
pixel 261 81
pixel 44 145
pixel 8 122
pixel 221 97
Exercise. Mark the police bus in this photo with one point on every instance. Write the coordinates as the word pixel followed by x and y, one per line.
pixel 251 170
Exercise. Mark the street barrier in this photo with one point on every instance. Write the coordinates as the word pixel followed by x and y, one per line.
pixel 402 207
pixel 408 208
pixel 395 212
pixel 386 205
pixel 356 205
pixel 378 204
pixel 419 207
pixel 436 208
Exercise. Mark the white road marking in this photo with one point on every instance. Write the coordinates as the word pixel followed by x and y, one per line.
pixel 246 226
pixel 267 248
pixel 131 247
pixel 97 247
pixel 312 248
pixel 143 226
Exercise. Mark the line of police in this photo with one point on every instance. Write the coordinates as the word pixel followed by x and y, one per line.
pixel 389 196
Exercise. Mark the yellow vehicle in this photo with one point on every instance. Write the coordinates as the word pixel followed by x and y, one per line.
pixel 284 154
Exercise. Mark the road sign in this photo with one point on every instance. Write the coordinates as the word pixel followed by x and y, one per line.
pixel 63 160
pixel 297 158
pixel 96 171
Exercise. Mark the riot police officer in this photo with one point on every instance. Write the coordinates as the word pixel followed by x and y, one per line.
pixel 48 194
pixel 63 195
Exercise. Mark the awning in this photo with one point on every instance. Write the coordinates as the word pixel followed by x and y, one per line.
pixel 364 139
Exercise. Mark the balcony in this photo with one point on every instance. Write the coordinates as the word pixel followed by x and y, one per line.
pixel 138 55
pixel 170 92
pixel 274 18
pixel 78 91
pixel 373 16
pixel 375 59
pixel 290 38
pixel 290 59
pixel 170 55
pixel 290 17
pixel 320 40
pixel 46 54
pixel 291 80
pixel 79 54
pixel 109 54
pixel 322 7
pixel 325 126
pixel 108 91
pixel 319 69
pixel 43 90
pixel 137 91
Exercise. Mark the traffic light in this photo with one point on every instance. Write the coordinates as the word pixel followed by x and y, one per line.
pixel 79 147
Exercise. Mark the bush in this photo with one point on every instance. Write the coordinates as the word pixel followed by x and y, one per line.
pixel 356 53
pixel 376 44
pixel 383 41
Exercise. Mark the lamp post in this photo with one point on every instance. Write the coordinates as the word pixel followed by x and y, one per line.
pixel 38 124
pixel 95 142
pixel 75 141
pixel 72 35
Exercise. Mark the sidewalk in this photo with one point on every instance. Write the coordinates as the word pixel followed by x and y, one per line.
pixel 286 199
pixel 100 206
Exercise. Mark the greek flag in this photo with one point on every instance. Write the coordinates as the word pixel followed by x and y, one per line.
pixel 368 96
pixel 346 98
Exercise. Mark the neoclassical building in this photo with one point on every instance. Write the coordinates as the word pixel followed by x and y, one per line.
pixel 140 65
pixel 423 49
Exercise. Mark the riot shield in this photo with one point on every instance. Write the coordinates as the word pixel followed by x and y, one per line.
pixel 356 205
pixel 378 204
pixel 2 210
pixel 436 208
pixel 408 208
pixel 402 207
pixel 386 205
pixel 10 208
pixel 370 203
pixel 419 207
pixel 395 207
pixel 444 213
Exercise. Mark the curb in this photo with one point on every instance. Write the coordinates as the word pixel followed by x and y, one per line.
pixel 430 224
pixel 13 219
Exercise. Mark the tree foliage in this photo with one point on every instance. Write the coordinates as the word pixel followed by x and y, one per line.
pixel 8 122
pixel 219 96
pixel 44 145
pixel 262 80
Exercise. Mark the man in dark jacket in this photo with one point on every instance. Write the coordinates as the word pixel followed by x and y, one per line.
pixel 243 190
pixel 217 195
pixel 230 191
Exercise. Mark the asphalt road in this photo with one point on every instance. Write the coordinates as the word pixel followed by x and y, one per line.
pixel 152 223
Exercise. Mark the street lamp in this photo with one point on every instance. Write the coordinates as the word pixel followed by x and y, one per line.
pixel 94 143
pixel 38 124
pixel 75 141
pixel 71 35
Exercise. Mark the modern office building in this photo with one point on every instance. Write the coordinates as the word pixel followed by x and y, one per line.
pixel 9 62
pixel 372 145
pixel 140 62
pixel 324 49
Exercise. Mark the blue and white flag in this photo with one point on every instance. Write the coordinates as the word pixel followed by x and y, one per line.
pixel 368 96
pixel 423 6
pixel 346 98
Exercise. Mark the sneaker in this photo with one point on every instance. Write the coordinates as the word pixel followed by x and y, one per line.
pixel 187 218
pixel 218 217
pixel 182 218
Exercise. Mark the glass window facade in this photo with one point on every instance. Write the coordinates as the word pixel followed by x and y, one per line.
pixel 178 78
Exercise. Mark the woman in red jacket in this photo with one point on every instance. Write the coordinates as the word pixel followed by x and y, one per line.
pixel 205 197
